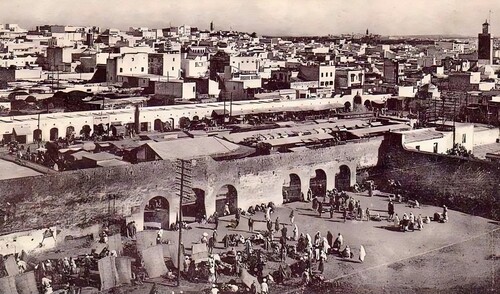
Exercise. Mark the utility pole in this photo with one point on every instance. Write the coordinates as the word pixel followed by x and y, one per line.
pixel 183 182
pixel 231 106
pixel 39 138
pixel 454 118
pixel 224 116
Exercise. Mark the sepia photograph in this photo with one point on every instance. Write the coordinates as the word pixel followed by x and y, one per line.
pixel 249 146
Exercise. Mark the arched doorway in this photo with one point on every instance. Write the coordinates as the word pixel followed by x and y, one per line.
pixel 368 104
pixel 156 213
pixel 37 135
pixel 85 131
pixel 184 122
pixel 54 134
pixel 158 125
pixel 347 106
pixel 194 204
pixel 343 178
pixel 69 131
pixel 227 194
pixel 292 189
pixel 357 99
pixel 318 183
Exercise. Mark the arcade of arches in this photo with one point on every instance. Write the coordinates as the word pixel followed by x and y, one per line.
pixel 295 186
pixel 161 126
pixel 319 183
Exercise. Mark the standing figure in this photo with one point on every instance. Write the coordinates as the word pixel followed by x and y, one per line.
pixel 250 224
pixel 390 210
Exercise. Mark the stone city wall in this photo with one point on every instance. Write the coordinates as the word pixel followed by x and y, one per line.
pixel 82 197
pixel 469 185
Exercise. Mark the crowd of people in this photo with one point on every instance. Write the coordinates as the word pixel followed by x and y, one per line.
pixel 300 255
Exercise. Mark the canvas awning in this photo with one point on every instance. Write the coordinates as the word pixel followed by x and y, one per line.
pixel 200 251
pixel 22 131
pixel 153 261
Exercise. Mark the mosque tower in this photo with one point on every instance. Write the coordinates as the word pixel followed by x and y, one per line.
pixel 485 46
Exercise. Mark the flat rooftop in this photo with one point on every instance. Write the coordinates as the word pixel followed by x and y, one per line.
pixel 481 150
pixel 10 170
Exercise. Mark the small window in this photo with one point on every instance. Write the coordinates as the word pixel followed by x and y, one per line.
pixel 172 68
pixel 331 74
pixel 321 74
pixel 464 138
pixel 331 82
pixel 121 69
pixel 417 147
pixel 132 59
pixel 322 83
pixel 435 150
pixel 173 59
pixel 142 69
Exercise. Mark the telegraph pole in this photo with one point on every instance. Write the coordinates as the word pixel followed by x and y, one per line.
pixel 183 181
pixel 231 106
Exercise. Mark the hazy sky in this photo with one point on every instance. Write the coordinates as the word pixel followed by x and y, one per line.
pixel 291 17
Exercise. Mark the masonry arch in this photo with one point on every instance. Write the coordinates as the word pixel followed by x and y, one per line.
pixel 158 125
pixel 226 194
pixel 357 99
pixel 318 183
pixel 292 188
pixel 194 206
pixel 343 178
pixel 156 213
pixel 37 135
pixel 85 131
pixel 368 104
pixel 347 106
pixel 54 134
pixel 69 131
pixel 184 122
pixel 170 124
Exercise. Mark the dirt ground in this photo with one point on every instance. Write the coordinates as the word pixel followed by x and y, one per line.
pixel 460 256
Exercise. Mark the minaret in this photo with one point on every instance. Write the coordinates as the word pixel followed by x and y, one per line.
pixel 485 46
